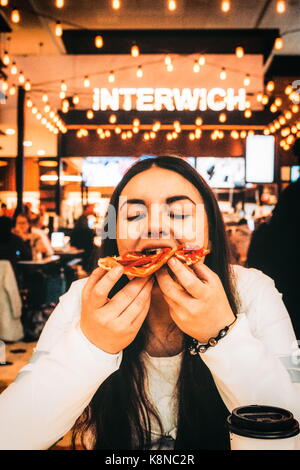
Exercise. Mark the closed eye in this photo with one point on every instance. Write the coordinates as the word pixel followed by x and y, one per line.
pixel 135 217
pixel 179 216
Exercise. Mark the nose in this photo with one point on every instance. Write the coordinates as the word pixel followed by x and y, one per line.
pixel 158 226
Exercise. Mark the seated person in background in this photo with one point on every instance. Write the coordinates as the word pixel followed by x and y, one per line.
pixel 82 236
pixel 35 228
pixel 12 247
pixel 4 211
pixel 239 237
pixel 33 240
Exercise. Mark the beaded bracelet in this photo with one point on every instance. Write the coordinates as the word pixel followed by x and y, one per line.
pixel 197 347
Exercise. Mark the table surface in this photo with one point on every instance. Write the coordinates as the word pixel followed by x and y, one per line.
pixel 68 251
pixel 49 259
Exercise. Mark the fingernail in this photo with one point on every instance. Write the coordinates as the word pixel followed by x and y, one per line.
pixel 172 261
pixel 119 270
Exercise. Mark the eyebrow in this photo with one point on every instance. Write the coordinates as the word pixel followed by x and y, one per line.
pixel 169 200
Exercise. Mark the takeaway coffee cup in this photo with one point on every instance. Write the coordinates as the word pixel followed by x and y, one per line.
pixel 259 427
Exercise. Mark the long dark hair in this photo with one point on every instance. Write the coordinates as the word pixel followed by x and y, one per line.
pixel 119 414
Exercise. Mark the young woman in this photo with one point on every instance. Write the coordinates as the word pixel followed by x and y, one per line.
pixel 31 236
pixel 114 356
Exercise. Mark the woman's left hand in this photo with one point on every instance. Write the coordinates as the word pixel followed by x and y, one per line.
pixel 197 302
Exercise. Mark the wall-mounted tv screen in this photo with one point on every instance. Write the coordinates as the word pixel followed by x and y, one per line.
pixel 260 153
pixel 227 172
pixel 295 173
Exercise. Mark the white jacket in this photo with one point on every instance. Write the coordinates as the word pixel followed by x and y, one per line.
pixel 253 364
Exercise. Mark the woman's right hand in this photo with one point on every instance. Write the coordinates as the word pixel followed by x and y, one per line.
pixel 112 324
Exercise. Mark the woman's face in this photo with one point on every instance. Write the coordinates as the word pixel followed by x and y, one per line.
pixel 159 207
pixel 22 224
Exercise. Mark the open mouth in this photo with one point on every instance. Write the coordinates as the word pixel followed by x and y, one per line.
pixel 152 251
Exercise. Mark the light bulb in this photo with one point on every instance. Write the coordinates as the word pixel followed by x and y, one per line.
pixel 47 108
pixel 223 74
pixel 273 108
pixel 278 102
pixel 172 5
pixel 62 95
pixel 270 86
pixel 38 116
pixel 225 6
pixel 116 4
pixel 135 52
pixel 86 82
pixel 58 29
pixel 63 86
pixel 222 117
pixel 14 69
pixel 201 60
pixel 27 85
pixel 239 52
pixel 259 97
pixel 196 67
pixel 75 99
pixel 90 114
pixel 136 122
pixel 12 90
pixel 247 80
pixel 5 86
pixel 278 44
pixel 4 3
pixel 59 3
pixel 139 72
pixel 168 60
pixel 280 6
pixel 234 134
pixel 265 100
pixel 288 90
pixel 29 103
pixel 198 121
pixel 21 78
pixel 191 136
pixel 45 98
pixel 112 119
pixel 99 41
pixel 111 77
pixel 15 16
pixel 170 67
pixel 5 58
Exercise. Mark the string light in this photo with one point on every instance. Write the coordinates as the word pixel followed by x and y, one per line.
pixel 5 86
pixel 116 4
pixel 58 29
pixel 27 85
pixel 15 16
pixel 280 6
pixel 75 99
pixel 270 86
pixel 34 110
pixel 14 69
pixel 278 102
pixel 135 52
pixel 234 135
pixel 62 95
pixel 5 58
pixel 156 126
pixel 170 67
pixel 168 60
pixel 12 90
pixel 111 77
pixel 4 3
pixel 135 130
pixel 248 113
pixel 47 108
pixel 239 52
pixel 278 43
pixel 196 67
pixel 99 41
pixel 295 108
pixel 198 121
pixel 139 72
pixel 198 133
pixel 86 82
pixel 191 136
pixel 38 116
pixel 265 100
pixel 172 5
pixel 247 80
pixel 223 74
pixel 136 122
pixel 288 115
pixel 282 120
pixel 243 134
pixel 63 86
pixel 45 98
pixel 59 3
pixel 225 6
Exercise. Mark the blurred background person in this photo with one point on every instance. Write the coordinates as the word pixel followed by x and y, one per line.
pixel 274 247
pixel 82 236
pixel 12 246
pixel 30 237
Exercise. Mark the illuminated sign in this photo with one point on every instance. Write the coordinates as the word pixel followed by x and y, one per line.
pixel 170 99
